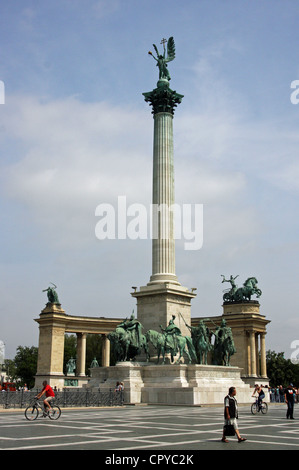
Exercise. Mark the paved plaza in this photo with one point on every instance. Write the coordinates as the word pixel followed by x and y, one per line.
pixel 155 429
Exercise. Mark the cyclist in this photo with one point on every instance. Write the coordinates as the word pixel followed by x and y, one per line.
pixel 261 394
pixel 50 395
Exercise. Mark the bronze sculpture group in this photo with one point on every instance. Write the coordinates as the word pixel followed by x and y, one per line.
pixel 217 344
pixel 128 341
pixel 241 294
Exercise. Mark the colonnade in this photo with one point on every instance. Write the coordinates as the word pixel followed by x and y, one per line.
pixel 53 325
pixel 256 355
pixel 81 353
pixel 247 324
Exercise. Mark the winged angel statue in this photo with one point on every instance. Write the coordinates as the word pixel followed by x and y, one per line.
pixel 162 60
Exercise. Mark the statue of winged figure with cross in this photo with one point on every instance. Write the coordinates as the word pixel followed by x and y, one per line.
pixel 162 59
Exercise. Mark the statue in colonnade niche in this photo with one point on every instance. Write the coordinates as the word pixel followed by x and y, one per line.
pixel 71 366
pixel 94 363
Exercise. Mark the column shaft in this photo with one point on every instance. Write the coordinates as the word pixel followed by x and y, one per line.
pixel 252 353
pixel 263 356
pixel 105 351
pixel 163 244
pixel 81 353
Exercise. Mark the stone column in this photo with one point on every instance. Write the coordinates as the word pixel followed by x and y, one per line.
pixel 163 244
pixel 105 351
pixel 81 354
pixel 163 101
pixel 252 354
pixel 257 355
pixel 163 298
pixel 248 355
pixel 263 356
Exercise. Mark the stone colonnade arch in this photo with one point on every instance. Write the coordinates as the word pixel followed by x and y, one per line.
pixel 54 323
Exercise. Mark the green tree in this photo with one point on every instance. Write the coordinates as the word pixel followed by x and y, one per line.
pixel 281 371
pixel 10 370
pixel 26 364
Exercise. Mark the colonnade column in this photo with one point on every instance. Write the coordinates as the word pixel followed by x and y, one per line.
pixel 81 354
pixel 105 351
pixel 263 356
pixel 252 354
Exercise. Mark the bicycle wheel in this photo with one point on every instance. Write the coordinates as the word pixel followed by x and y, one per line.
pixel 31 413
pixel 264 408
pixel 254 408
pixel 54 412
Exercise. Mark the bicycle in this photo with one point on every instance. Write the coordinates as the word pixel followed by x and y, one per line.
pixel 256 407
pixel 32 411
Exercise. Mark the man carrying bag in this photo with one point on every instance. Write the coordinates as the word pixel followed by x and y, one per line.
pixel 230 416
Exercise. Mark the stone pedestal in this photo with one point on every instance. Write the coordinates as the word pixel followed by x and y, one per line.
pixel 172 384
pixel 248 327
pixel 51 342
pixel 157 303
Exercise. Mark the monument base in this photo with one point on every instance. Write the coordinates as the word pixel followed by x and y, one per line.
pixel 174 384
pixel 60 381
pixel 158 303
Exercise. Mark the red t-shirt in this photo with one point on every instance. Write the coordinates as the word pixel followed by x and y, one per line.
pixel 49 391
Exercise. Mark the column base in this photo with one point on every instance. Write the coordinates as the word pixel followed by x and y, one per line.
pixel 163 278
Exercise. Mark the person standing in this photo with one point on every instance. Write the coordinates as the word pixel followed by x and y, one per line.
pixel 231 414
pixel 281 393
pixel 290 400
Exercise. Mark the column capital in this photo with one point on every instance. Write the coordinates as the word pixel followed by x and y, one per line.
pixel 163 99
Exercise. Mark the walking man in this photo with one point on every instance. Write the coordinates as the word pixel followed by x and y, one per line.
pixel 231 414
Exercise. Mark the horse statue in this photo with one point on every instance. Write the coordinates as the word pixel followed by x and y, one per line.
pixel 241 294
pixel 119 345
pixel 202 347
pixel 128 341
pixel 171 341
pixel 224 346
pixel 249 288
pixel 228 349
pixel 201 341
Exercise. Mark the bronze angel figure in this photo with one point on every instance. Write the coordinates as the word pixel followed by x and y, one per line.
pixel 162 60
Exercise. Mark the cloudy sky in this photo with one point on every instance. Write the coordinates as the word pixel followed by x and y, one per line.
pixel 76 133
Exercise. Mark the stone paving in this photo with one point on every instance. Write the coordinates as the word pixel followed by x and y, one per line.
pixel 155 429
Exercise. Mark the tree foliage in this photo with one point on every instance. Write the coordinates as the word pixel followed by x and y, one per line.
pixel 281 371
pixel 26 364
